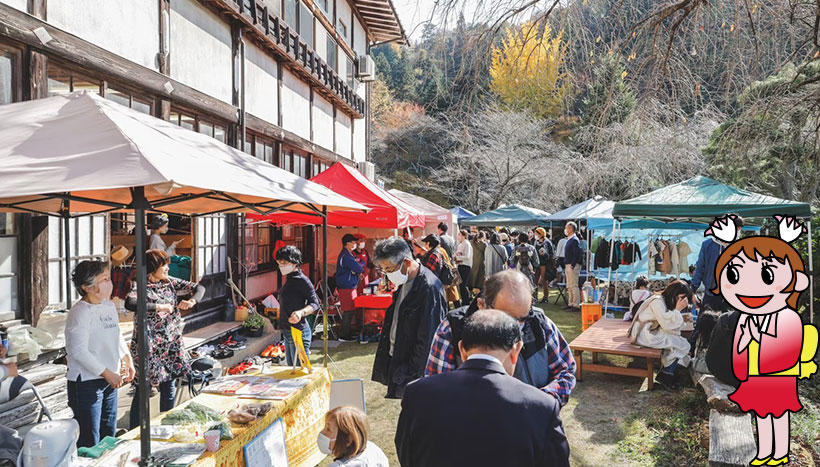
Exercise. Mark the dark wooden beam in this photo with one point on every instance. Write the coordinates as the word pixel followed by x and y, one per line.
pixel 33 265
pixel 38 9
pixel 36 86
pixel 19 26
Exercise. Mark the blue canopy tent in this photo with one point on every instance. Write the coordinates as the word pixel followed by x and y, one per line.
pixel 460 213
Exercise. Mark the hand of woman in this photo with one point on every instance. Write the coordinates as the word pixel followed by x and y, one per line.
pixel 683 303
pixel 165 308
pixel 187 304
pixel 295 317
pixel 114 380
pixel 130 372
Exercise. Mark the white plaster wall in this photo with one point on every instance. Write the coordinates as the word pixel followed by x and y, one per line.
pixel 129 28
pixel 21 5
pixel 359 146
pixel 343 11
pixel 261 84
pixel 359 38
pixel 295 105
pixel 322 122
pixel 200 49
pixel 321 41
pixel 343 129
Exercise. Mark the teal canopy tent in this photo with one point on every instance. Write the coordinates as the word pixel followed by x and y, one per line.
pixel 701 199
pixel 514 214
pixel 704 198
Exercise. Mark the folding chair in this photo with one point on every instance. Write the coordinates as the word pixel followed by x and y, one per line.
pixel 562 293
pixel 333 311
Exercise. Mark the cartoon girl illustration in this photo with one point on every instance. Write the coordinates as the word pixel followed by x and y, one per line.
pixel 762 277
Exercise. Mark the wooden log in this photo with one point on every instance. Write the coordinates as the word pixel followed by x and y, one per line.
pixel 29 412
pixel 44 373
pixel 731 439
pixel 46 390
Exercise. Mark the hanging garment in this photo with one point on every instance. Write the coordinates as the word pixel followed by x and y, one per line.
pixel 595 242
pixel 673 256
pixel 683 257
pixel 616 256
pixel 602 254
pixel 665 265
pixel 623 252
pixel 653 253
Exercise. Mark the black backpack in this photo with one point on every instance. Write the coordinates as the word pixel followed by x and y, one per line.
pixel 719 353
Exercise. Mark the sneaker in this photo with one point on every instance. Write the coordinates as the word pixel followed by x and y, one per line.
pixel 347 339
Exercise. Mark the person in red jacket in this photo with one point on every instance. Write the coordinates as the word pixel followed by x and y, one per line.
pixel 762 277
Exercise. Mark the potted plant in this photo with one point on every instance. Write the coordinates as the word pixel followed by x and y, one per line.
pixel 254 324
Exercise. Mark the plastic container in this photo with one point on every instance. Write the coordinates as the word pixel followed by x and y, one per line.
pixel 587 293
pixel 590 313
pixel 212 440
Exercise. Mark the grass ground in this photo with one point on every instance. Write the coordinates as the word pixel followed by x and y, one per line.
pixel 609 420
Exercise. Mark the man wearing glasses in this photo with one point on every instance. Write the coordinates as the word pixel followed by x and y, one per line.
pixel 545 362
pixel 419 304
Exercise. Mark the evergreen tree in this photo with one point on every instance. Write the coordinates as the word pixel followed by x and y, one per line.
pixel 609 99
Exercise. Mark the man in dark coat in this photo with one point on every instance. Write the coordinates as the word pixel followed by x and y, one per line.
pixel 419 304
pixel 479 415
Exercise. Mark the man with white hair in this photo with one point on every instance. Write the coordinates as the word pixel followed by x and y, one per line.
pixel 418 306
pixel 546 360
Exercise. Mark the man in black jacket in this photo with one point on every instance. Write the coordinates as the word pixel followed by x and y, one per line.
pixel 478 415
pixel 411 320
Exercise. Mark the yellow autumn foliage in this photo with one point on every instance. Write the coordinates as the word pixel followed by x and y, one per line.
pixel 527 71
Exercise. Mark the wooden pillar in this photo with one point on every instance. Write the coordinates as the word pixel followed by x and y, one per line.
pixel 163 108
pixel 33 265
pixel 35 79
pixel 37 9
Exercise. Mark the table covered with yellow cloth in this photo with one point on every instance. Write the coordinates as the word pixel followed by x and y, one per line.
pixel 303 414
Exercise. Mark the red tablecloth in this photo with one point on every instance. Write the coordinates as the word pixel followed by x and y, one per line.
pixel 381 301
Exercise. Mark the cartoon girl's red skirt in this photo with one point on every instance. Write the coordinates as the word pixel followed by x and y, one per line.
pixel 767 395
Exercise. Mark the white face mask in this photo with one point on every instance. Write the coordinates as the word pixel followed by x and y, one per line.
pixel 324 444
pixel 361 246
pixel 397 277
pixel 286 269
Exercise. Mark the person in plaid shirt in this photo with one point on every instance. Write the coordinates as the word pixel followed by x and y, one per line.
pixel 545 362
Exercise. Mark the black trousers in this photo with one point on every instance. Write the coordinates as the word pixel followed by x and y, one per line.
pixel 463 288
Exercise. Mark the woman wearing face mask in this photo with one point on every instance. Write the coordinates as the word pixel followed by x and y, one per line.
pixel 345 438
pixel 95 351
pixel 297 299
pixel 167 358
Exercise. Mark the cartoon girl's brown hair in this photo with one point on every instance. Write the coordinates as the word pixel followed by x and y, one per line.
pixel 766 247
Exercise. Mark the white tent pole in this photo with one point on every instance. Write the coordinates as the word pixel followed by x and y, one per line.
pixel 811 279
pixel 609 274
pixel 616 274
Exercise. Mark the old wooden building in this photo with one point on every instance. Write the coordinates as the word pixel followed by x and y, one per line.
pixel 287 80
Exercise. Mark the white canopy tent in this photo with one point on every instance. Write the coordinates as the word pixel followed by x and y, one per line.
pixel 80 154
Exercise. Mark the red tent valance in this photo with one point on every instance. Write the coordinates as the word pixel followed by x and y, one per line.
pixel 386 210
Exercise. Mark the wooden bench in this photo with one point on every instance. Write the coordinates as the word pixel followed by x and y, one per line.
pixel 731 437
pixel 608 336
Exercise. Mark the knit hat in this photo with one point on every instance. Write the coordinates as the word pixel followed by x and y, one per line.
pixel 540 231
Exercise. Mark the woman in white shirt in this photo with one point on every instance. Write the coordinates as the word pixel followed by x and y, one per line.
pixel 657 324
pixel 95 350
pixel 345 438
pixel 464 260
pixel 159 227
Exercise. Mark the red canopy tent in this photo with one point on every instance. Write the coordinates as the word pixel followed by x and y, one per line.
pixel 386 210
